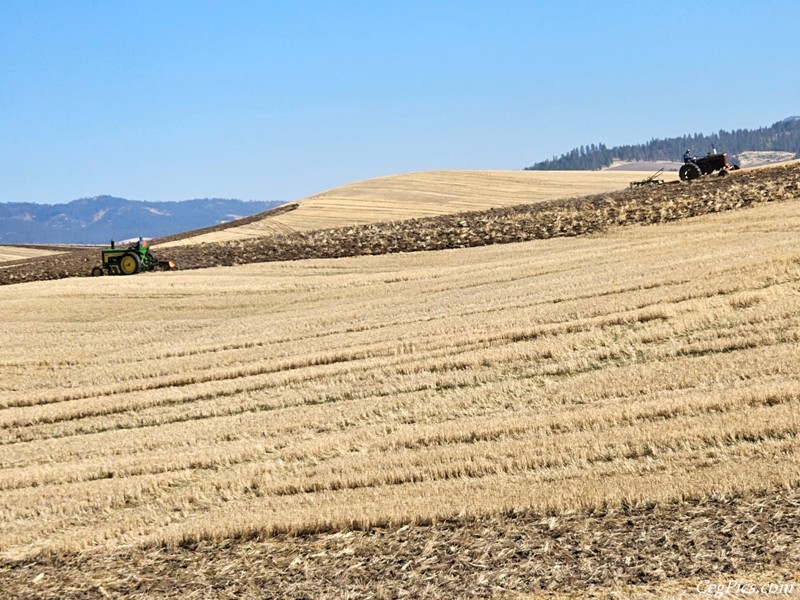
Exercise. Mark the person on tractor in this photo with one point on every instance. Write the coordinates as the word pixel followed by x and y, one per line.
pixel 143 250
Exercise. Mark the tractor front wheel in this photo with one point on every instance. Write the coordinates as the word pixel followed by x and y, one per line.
pixel 129 264
pixel 97 271
pixel 689 171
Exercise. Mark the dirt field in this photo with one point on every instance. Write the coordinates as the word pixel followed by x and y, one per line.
pixel 609 409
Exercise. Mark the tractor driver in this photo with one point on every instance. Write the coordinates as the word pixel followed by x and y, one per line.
pixel 141 248
pixel 687 156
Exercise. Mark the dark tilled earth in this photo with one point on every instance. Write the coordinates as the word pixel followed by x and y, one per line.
pixel 584 554
pixel 568 217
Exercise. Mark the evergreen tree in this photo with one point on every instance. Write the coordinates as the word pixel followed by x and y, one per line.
pixel 783 136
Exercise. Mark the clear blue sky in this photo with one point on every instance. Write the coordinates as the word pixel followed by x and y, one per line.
pixel 173 99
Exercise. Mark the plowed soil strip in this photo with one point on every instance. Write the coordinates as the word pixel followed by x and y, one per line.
pixel 475 557
pixel 568 217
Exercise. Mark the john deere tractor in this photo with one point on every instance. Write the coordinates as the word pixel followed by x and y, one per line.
pixel 131 260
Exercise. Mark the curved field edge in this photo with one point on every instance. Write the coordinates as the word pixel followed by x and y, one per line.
pixel 660 550
pixel 11 254
pixel 424 194
pixel 542 220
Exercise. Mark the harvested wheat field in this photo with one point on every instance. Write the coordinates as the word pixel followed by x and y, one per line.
pixel 616 412
pixel 425 194
pixel 12 253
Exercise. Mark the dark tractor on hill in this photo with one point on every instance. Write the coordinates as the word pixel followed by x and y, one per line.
pixel 130 260
pixel 694 167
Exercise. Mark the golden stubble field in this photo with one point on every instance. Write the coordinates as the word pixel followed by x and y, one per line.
pixel 645 367
pixel 425 194
pixel 11 253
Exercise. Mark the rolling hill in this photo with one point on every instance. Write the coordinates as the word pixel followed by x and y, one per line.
pixel 585 396
pixel 542 219
pixel 425 194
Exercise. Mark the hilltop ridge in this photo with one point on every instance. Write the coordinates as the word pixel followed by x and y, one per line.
pixel 417 195
pixel 522 222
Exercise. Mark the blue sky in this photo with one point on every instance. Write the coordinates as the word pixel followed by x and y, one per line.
pixel 172 99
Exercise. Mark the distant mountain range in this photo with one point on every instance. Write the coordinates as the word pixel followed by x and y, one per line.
pixel 102 218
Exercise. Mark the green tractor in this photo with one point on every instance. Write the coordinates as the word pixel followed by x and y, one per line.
pixel 131 260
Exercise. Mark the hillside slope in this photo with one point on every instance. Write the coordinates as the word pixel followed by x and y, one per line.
pixel 425 194
pixel 541 220
pixel 582 414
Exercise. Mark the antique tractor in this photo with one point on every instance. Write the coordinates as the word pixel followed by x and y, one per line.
pixel 695 167
pixel 131 260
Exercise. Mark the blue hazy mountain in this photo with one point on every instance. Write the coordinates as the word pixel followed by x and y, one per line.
pixel 97 220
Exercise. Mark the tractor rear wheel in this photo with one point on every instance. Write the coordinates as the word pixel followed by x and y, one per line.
pixel 689 171
pixel 129 264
